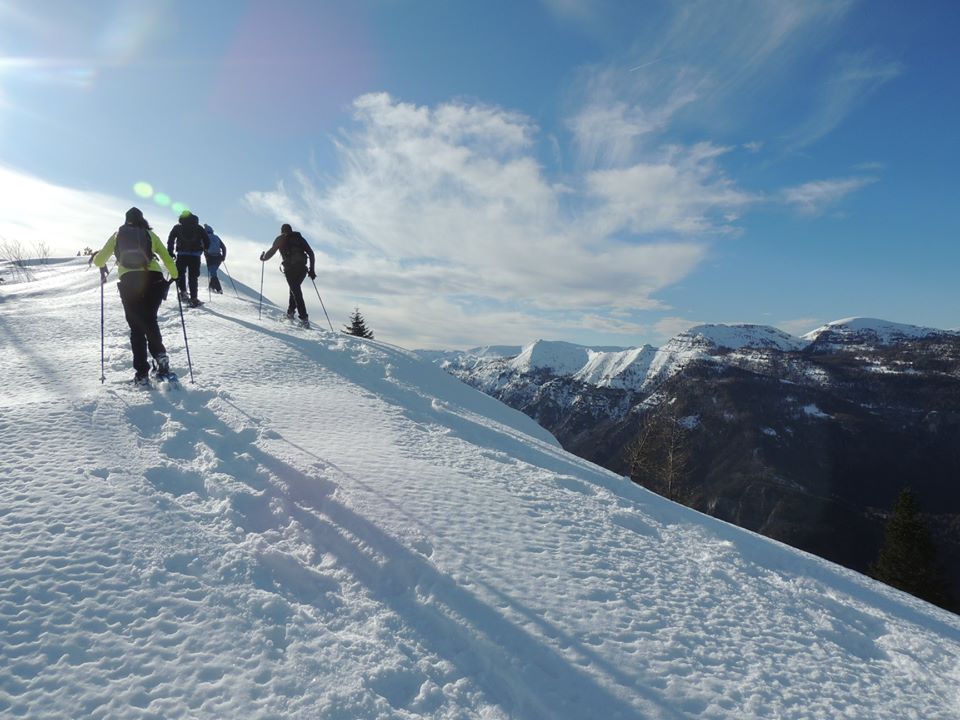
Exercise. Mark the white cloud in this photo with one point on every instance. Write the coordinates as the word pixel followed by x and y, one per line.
pixel 619 113
pixel 813 198
pixel 443 212
pixel 449 201
pixel 679 194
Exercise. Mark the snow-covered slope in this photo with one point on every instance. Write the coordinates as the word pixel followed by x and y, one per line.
pixel 859 330
pixel 327 527
pixel 624 369
pixel 559 358
pixel 738 337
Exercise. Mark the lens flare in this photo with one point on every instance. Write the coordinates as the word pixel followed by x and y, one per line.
pixel 143 189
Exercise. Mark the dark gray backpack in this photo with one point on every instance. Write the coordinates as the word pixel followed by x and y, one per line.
pixel 134 247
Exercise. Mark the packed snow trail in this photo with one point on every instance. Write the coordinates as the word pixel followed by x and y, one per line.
pixel 325 527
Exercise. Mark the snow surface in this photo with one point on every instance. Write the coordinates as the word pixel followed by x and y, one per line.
pixel 624 369
pixel 872 330
pixel 737 337
pixel 813 411
pixel 560 358
pixel 631 368
pixel 327 527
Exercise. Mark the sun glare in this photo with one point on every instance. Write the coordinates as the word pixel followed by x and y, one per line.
pixel 143 189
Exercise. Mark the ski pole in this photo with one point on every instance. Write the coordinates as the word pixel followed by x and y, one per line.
pixel 260 309
pixel 231 279
pixel 321 303
pixel 103 376
pixel 185 343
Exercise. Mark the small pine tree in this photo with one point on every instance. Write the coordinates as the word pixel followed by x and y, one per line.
pixel 357 325
pixel 907 558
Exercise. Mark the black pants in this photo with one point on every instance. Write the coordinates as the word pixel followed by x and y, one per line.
pixel 188 265
pixel 295 276
pixel 141 293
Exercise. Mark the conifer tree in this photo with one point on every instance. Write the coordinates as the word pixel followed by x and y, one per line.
pixel 357 325
pixel 908 556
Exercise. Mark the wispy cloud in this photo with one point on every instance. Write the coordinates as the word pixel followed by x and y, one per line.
pixel 619 115
pixel 718 66
pixel 448 204
pixel 854 79
pixel 814 198
pixel 685 192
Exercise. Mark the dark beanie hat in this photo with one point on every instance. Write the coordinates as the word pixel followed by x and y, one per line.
pixel 134 216
pixel 285 228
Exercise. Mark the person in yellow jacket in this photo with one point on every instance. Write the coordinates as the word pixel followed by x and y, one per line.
pixel 142 288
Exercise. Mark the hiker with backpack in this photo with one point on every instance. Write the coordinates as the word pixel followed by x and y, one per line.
pixel 215 254
pixel 142 288
pixel 189 241
pixel 295 253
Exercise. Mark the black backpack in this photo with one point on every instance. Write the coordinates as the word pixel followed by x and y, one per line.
pixel 134 247
pixel 294 250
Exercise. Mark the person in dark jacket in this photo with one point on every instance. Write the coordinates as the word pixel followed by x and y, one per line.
pixel 295 253
pixel 215 255
pixel 189 241
pixel 142 289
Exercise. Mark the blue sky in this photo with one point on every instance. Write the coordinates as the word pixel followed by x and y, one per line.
pixel 470 173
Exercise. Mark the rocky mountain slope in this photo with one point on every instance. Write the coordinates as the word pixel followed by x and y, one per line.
pixel 805 439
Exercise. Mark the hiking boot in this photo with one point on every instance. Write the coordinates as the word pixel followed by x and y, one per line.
pixel 194 302
pixel 163 364
pixel 289 314
pixel 142 378
pixel 304 323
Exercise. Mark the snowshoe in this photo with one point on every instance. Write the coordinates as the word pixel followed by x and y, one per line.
pixel 163 365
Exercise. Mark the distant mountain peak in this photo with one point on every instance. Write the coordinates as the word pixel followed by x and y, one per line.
pixel 737 337
pixel 856 330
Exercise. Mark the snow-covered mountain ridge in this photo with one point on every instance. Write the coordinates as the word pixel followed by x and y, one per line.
pixel 327 527
pixel 640 369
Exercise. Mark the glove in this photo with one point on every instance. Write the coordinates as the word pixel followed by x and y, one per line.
pixel 261 256
pixel 103 274
pixel 312 275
